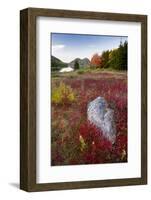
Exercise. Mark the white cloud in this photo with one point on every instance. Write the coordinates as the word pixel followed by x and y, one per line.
pixel 57 47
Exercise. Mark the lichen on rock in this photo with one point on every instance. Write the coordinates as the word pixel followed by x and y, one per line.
pixel 102 117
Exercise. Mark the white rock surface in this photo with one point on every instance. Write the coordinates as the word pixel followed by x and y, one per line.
pixel 102 117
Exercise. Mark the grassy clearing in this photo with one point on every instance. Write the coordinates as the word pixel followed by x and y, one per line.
pixel 86 71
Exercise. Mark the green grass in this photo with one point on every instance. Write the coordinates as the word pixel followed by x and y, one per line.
pixel 82 71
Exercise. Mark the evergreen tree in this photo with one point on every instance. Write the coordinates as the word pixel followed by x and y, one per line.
pixel 116 58
pixel 125 55
pixel 76 65
pixel 105 59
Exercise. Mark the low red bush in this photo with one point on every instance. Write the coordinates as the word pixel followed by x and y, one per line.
pixel 76 141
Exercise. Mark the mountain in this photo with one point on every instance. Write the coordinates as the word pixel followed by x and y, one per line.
pixel 82 62
pixel 57 64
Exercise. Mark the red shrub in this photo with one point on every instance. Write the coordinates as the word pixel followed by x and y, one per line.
pixel 69 123
pixel 97 147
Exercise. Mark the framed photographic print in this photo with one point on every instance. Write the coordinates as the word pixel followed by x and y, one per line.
pixel 83 99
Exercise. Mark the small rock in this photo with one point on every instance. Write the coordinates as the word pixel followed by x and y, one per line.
pixel 102 117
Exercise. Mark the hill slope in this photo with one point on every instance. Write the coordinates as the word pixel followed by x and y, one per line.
pixel 57 64
pixel 82 62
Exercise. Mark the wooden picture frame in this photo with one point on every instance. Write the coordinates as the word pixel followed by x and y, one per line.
pixel 28 98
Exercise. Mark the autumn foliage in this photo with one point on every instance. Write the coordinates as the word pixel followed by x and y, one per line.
pixel 73 139
pixel 96 61
pixel 114 59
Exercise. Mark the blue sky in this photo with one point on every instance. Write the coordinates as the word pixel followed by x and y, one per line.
pixel 67 47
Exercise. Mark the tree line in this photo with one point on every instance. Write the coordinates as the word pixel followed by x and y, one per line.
pixel 114 59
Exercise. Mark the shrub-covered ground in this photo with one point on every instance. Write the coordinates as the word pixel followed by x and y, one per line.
pixel 73 139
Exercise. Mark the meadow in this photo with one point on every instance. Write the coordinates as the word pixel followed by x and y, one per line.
pixel 73 139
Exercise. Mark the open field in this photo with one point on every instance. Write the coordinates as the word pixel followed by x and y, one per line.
pixel 73 139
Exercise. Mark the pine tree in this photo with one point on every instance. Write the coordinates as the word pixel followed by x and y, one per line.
pixel 105 59
pixel 76 65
